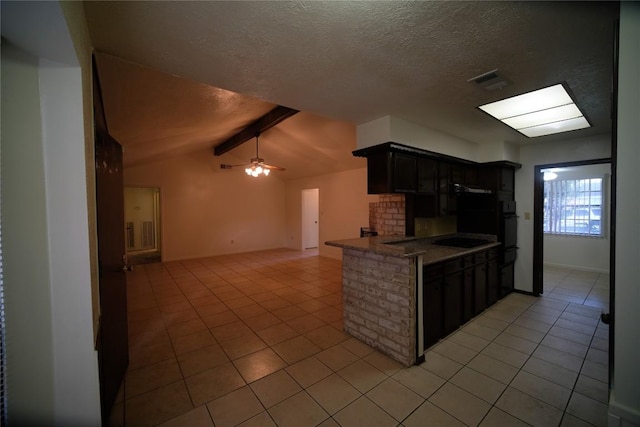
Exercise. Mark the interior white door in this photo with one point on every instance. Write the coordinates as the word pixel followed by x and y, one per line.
pixel 310 220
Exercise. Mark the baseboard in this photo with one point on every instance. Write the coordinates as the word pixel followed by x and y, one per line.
pixel 576 267
pixel 621 415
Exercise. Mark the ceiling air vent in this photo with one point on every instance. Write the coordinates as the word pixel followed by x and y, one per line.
pixel 489 80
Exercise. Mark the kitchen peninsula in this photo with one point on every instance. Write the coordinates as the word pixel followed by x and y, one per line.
pixel 402 294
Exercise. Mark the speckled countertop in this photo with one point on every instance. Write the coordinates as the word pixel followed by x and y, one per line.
pixel 411 247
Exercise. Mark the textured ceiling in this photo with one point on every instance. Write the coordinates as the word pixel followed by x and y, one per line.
pixel 347 61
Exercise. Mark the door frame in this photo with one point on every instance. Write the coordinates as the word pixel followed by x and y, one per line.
pixel 538 218
pixel 306 229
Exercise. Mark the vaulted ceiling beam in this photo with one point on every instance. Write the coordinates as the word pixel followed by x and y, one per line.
pixel 261 125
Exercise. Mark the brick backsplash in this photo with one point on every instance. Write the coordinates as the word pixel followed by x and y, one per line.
pixel 387 216
pixel 379 302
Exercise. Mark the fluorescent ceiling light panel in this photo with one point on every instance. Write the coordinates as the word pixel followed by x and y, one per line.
pixel 541 112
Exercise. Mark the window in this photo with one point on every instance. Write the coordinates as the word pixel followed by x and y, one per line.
pixel 573 206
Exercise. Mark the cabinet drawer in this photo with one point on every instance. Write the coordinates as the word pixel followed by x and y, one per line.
pixel 494 253
pixel 480 257
pixel 432 272
pixel 453 266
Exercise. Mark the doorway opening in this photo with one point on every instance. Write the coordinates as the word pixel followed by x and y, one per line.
pixel 310 214
pixel 142 224
pixel 579 208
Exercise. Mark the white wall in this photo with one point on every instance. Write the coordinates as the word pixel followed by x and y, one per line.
pixel 390 128
pixel 207 211
pixel 540 154
pixel 52 365
pixel 344 208
pixel 580 252
pixel 624 400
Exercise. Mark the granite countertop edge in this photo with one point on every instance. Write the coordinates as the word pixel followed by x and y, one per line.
pixel 412 247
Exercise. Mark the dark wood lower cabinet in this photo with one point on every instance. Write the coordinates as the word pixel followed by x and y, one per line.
pixel 493 284
pixel 452 302
pixel 456 290
pixel 433 313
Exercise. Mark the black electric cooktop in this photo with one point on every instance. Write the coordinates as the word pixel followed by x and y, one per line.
pixel 461 242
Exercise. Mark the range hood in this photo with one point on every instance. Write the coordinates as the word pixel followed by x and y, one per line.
pixel 465 189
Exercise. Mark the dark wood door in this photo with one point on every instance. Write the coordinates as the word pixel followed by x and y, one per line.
pixel 113 348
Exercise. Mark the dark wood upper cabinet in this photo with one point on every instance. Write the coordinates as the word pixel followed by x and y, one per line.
pixel 427 175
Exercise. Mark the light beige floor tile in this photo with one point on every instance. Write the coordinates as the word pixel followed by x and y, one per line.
pixel 550 371
pixel 499 418
pixel 198 417
pixel 461 404
pixel 528 409
pixel 308 371
pixel 595 370
pixel 300 410
pixel 480 385
pixel 336 357
pixel 440 365
pixel 307 323
pixel 275 388
pixel 396 399
pixel 569 420
pixel 153 376
pixel 490 322
pixel 533 324
pixel 544 390
pixel 158 405
pixel 231 331
pixel 259 364
pixel 576 326
pixel 419 380
pixel 186 328
pixel 277 333
pixel 454 351
pixel 333 393
pixel 295 349
pixel 213 383
pixel 141 356
pixel 430 415
pixel 476 328
pixel 364 413
pixel 326 336
pixel 579 318
pixel 262 321
pixel 600 343
pixel 565 345
pixel 329 422
pixel 493 368
pixel 234 408
pixel 593 388
pixel 588 409
pixel 362 375
pixel 506 355
pixel 263 419
pixel 468 340
pixel 570 335
pixel 384 363
pixel 187 343
pixel 552 355
pixel 598 356
pixel 201 360
pixel 357 347
pixel 516 343
pixel 241 346
pixel 288 313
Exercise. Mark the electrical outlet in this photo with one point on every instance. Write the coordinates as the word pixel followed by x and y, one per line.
pixel 527 215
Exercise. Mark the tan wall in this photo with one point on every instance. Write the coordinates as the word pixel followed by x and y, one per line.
pixel 207 211
pixel 344 208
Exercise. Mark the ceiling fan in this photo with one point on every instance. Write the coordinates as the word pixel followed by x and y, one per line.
pixel 257 166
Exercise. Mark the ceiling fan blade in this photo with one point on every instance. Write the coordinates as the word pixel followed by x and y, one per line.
pixel 272 167
pixel 226 166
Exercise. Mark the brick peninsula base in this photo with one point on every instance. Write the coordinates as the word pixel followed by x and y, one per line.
pixel 379 294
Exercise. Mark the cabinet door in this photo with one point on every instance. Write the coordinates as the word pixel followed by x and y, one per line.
pixel 453 284
pixel 468 305
pixel 378 173
pixel 480 287
pixel 506 279
pixel 404 173
pixel 432 307
pixel 427 176
pixel 493 285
